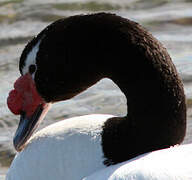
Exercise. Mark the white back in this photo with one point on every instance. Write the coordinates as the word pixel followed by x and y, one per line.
pixel 68 150
pixel 71 150
pixel 167 164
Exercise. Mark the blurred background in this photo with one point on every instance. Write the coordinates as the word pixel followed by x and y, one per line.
pixel 170 21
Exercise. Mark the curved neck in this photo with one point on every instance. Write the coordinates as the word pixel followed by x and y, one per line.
pixel 92 48
pixel 77 52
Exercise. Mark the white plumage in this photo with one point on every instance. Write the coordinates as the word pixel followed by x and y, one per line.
pixel 168 164
pixel 50 152
pixel 66 150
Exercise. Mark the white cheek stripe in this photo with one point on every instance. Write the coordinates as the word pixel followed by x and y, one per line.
pixel 31 59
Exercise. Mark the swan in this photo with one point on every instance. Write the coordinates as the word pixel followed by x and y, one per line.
pixel 66 58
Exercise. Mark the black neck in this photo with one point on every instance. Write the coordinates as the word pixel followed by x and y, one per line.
pixel 77 52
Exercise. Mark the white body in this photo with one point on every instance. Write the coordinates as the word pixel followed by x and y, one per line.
pixel 67 150
pixel 167 164
pixel 71 150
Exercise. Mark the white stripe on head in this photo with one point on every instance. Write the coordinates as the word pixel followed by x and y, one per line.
pixel 31 59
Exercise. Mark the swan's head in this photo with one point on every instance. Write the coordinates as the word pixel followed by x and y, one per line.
pixel 53 68
pixel 25 100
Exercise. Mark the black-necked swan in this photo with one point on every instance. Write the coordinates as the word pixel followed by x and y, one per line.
pixel 65 59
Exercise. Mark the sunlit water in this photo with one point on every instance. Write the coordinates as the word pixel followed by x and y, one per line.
pixel 169 20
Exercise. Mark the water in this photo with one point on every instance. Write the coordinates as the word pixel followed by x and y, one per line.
pixel 169 20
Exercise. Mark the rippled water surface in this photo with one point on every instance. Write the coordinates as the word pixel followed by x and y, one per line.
pixel 169 20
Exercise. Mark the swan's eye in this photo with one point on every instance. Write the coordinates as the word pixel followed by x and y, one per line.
pixel 32 68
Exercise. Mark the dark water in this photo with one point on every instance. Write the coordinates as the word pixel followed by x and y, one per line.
pixel 168 20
